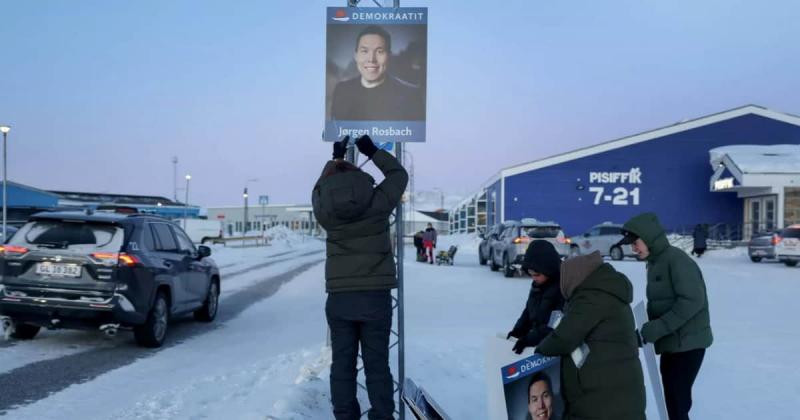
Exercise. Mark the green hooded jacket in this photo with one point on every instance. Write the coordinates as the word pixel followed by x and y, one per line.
pixel 610 384
pixel 677 302
pixel 355 215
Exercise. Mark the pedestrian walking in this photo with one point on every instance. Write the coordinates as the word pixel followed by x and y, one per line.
pixel 700 236
pixel 429 241
pixel 359 274
pixel 677 308
pixel 418 244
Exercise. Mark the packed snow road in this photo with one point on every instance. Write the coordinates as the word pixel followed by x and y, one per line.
pixel 30 371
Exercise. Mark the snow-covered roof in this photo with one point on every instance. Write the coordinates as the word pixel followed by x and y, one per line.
pixel 416 216
pixel 749 159
pixel 651 135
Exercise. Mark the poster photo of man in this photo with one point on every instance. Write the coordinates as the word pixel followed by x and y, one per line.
pixel 532 389
pixel 376 72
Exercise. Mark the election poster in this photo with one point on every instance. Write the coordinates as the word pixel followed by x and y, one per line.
pixel 376 73
pixel 522 387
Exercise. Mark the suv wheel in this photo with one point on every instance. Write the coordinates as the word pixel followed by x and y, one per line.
pixel 508 270
pixel 790 263
pixel 208 311
pixel 492 265
pixel 481 260
pixel 755 259
pixel 152 332
pixel 24 331
pixel 616 253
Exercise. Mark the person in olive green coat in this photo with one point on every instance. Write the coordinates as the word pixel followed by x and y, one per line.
pixel 609 385
pixel 359 274
pixel 677 307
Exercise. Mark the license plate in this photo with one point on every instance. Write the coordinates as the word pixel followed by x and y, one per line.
pixel 64 270
pixel 759 253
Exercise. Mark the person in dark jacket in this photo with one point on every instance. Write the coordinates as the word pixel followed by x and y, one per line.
pixel 543 265
pixel 700 236
pixel 419 246
pixel 429 241
pixel 609 384
pixel 359 274
pixel 677 308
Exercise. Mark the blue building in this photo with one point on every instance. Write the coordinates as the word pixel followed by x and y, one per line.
pixel 666 170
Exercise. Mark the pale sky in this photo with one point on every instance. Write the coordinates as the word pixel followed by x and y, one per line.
pixel 101 94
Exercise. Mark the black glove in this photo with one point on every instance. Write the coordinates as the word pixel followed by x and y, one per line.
pixel 515 333
pixel 365 146
pixel 640 339
pixel 340 147
pixel 520 345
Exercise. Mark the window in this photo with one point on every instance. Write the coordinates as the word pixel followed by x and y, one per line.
pixel 72 235
pixel 541 232
pixel 184 243
pixel 149 240
pixel 610 231
pixel 164 239
pixel 791 233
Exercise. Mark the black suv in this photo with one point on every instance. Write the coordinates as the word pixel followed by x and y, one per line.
pixel 106 271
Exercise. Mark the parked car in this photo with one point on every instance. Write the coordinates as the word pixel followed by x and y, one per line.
pixel 603 238
pixel 762 245
pixel 788 246
pixel 201 231
pixel 104 270
pixel 510 248
pixel 488 239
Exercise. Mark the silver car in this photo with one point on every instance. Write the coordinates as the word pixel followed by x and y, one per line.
pixel 509 250
pixel 762 245
pixel 603 238
pixel 788 247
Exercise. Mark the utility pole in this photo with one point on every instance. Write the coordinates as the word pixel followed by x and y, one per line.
pixel 175 178
pixel 244 228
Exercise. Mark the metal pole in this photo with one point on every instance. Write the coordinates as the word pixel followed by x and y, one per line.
pixel 175 178
pixel 5 182
pixel 401 356
pixel 244 228
pixel 186 203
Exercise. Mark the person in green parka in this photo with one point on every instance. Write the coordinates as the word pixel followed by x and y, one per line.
pixel 677 308
pixel 609 384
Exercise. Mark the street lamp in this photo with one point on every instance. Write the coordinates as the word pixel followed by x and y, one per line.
pixel 245 195
pixel 186 201
pixel 5 129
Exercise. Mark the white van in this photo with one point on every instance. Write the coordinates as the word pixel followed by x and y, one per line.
pixel 201 230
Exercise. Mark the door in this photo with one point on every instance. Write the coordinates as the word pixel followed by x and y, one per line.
pixel 195 281
pixel 588 243
pixel 172 262
pixel 760 215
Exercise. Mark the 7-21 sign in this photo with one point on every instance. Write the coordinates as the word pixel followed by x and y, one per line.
pixel 610 190
pixel 619 196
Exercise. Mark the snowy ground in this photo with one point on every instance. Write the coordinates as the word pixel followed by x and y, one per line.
pixel 268 361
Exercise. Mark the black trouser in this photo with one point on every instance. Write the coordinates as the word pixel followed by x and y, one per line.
pixel 678 372
pixel 363 318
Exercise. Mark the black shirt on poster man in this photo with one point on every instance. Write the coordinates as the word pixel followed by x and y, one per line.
pixel 392 100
